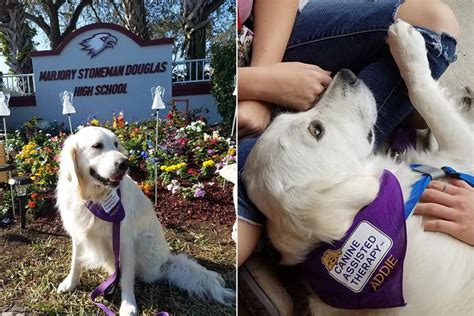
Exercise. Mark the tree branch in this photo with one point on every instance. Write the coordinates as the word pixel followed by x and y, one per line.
pixel 95 13
pixel 38 20
pixel 117 11
pixel 212 7
pixel 75 16
pixel 59 3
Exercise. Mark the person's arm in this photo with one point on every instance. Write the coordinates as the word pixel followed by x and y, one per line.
pixel 294 85
pixel 450 208
pixel 273 21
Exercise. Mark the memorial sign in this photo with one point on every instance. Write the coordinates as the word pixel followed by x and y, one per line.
pixel 107 68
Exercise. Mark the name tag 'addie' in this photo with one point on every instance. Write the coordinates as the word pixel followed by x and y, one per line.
pixel 111 201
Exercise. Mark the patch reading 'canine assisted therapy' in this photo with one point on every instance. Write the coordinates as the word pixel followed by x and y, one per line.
pixel 364 269
pixel 111 201
pixel 355 263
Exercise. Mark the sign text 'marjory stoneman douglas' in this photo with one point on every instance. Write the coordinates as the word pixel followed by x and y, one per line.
pixel 102 72
pixel 107 68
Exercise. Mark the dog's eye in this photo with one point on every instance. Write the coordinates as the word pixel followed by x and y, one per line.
pixel 316 129
pixel 98 146
pixel 116 144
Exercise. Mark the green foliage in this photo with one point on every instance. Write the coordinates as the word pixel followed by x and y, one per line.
pixel 21 56
pixel 189 154
pixel 223 78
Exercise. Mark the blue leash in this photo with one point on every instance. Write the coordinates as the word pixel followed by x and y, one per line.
pixel 428 174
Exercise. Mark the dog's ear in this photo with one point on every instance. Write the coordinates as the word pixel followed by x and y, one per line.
pixel 325 208
pixel 68 165
pixel 317 211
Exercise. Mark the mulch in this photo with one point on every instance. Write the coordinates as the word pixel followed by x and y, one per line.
pixel 216 208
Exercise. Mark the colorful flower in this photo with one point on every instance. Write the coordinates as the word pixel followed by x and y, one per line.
pixel 208 163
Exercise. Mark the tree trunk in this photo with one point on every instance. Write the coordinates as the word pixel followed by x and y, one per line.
pixel 135 17
pixel 18 38
pixel 194 19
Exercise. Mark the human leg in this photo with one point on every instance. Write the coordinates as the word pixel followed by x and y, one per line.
pixel 352 35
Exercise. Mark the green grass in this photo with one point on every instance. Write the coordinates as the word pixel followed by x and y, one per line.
pixel 32 273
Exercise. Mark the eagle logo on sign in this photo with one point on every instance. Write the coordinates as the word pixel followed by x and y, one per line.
pixel 97 43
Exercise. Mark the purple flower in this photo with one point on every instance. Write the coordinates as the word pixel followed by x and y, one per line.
pixel 199 193
pixel 211 151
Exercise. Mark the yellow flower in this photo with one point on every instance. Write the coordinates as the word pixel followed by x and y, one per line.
pixel 208 163
pixel 168 169
pixel 94 122
pixel 163 167
pixel 232 151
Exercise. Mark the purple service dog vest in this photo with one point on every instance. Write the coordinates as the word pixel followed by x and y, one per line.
pixel 365 268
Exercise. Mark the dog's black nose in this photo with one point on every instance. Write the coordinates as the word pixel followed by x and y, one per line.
pixel 348 76
pixel 122 165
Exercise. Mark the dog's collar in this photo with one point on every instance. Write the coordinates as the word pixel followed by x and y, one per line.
pixel 111 210
pixel 429 173
pixel 364 269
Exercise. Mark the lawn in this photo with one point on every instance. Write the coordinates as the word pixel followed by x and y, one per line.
pixel 194 205
pixel 35 260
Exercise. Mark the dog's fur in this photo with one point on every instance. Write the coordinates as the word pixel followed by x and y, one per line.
pixel 144 251
pixel 310 173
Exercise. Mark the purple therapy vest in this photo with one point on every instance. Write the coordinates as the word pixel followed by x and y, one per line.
pixel 365 268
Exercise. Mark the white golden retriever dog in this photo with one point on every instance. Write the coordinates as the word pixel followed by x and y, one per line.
pixel 92 164
pixel 310 173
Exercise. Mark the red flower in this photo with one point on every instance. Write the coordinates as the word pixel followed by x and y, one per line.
pixel 169 116
pixel 181 141
pixel 31 204
pixel 34 196
pixel 192 172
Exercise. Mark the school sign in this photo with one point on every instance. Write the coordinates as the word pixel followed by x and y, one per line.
pixel 107 68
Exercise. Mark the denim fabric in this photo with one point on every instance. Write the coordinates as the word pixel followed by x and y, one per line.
pixel 351 34
pixel 336 34
pixel 246 210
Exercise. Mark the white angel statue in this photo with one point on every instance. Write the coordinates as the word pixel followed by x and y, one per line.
pixel 66 99
pixel 4 99
pixel 157 94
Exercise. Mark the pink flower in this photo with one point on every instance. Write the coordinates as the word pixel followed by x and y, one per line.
pixel 192 172
pixel 181 141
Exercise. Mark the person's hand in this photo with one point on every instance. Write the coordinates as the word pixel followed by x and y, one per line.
pixel 451 208
pixel 253 117
pixel 294 85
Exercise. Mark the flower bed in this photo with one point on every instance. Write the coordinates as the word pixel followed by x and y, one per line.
pixel 187 158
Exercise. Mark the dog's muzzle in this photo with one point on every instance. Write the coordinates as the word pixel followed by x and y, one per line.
pixel 114 181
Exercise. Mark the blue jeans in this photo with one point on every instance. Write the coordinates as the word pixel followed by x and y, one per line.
pixel 351 34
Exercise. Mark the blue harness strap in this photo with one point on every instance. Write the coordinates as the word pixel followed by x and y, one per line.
pixel 458 175
pixel 428 174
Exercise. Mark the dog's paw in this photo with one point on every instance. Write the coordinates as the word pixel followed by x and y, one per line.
pixel 128 308
pixel 68 285
pixel 407 46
